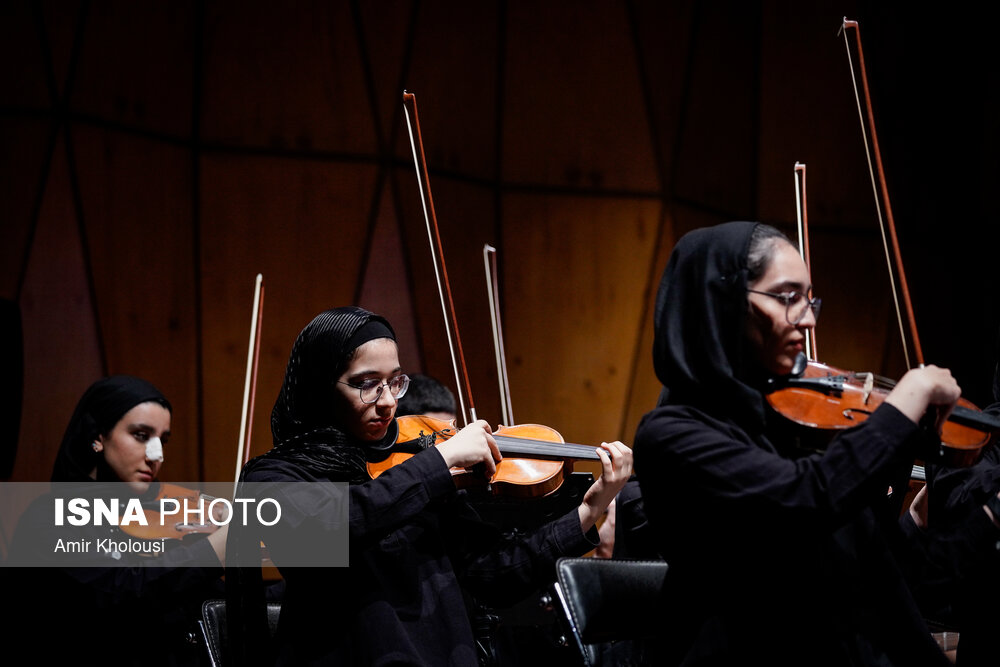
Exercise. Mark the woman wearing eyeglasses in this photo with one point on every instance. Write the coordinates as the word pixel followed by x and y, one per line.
pixel 776 557
pixel 413 539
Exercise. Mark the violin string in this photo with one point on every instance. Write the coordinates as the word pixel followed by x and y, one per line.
pixel 544 447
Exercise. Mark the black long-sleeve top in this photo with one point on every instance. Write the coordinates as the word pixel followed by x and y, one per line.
pixel 104 609
pixel 414 544
pixel 775 559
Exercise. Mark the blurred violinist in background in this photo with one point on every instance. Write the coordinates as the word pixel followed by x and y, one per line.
pixel 416 545
pixel 427 396
pixel 776 557
pixel 955 520
pixel 117 607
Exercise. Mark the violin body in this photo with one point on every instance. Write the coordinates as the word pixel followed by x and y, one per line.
pixel 172 527
pixel 539 474
pixel 829 398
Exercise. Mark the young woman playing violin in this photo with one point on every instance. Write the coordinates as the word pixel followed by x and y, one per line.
pixel 775 557
pixel 110 606
pixel 414 541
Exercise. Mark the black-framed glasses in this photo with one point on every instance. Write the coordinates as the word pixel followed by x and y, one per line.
pixel 796 304
pixel 371 390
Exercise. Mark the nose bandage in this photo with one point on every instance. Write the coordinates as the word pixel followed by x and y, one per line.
pixel 154 450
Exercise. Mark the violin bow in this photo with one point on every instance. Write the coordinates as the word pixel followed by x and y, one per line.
pixel 250 382
pixel 802 219
pixel 877 187
pixel 437 256
pixel 492 284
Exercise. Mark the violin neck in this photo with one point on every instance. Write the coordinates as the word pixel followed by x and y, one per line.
pixel 545 449
pixel 974 418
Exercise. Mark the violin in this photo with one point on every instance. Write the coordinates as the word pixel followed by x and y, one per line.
pixel 174 527
pixel 533 477
pixel 819 396
pixel 515 477
pixel 823 397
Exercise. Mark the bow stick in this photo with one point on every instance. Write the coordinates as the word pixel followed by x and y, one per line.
pixel 878 187
pixel 492 284
pixel 802 218
pixel 434 237
pixel 250 382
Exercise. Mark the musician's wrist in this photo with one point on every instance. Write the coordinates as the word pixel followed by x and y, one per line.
pixel 589 515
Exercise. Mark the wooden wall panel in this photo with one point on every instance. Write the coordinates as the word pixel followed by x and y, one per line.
pixel 466 220
pixel 857 328
pixel 152 86
pixel 303 226
pixel 285 79
pixel 386 30
pixel 63 24
pixel 579 121
pixel 453 74
pixel 23 162
pixel 136 201
pixel 815 125
pixel 644 387
pixel 575 277
pixel 386 285
pixel 665 63
pixel 293 114
pixel 718 131
pixel 61 349
pixel 21 43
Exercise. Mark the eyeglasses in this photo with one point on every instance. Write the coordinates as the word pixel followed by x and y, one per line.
pixel 796 304
pixel 371 390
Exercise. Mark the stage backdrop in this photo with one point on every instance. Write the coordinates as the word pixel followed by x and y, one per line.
pixel 159 155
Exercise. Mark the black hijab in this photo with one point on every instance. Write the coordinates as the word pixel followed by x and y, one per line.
pixel 700 349
pixel 305 432
pixel 97 412
pixel 302 421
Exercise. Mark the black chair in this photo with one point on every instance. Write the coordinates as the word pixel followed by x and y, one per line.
pixel 609 603
pixel 213 628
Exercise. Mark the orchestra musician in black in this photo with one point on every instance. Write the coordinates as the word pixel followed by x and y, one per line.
pixel 775 556
pixel 416 546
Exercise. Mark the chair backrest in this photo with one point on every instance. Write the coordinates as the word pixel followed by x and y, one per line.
pixel 213 628
pixel 609 600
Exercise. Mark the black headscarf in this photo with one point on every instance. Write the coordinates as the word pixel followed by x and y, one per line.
pixel 302 422
pixel 99 409
pixel 700 349
pixel 304 431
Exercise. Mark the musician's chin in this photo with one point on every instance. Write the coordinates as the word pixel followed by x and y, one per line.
pixel 139 486
pixel 376 428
